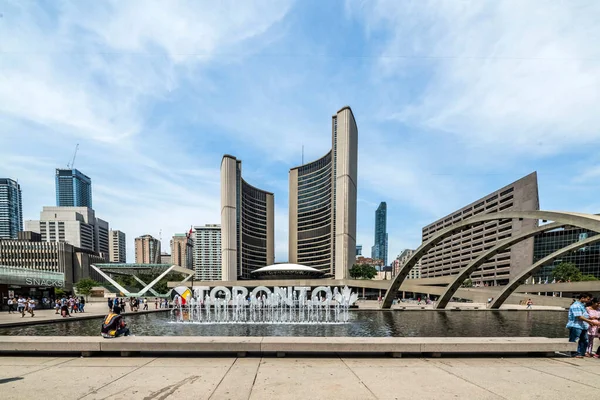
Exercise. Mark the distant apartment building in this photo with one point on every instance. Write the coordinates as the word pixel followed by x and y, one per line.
pixel 117 246
pixel 380 248
pixel 73 188
pixel 207 252
pixel 247 224
pixel 182 250
pixel 77 226
pixel 415 272
pixel 147 250
pixel 165 258
pixel 11 209
pixel 455 253
pixel 322 203
pixel 587 258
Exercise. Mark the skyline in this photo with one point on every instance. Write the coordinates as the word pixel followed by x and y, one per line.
pixel 154 109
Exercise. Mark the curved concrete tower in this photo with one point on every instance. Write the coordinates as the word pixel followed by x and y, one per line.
pixel 323 204
pixel 247 224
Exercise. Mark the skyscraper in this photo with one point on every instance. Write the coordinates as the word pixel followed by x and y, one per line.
pixel 207 252
pixel 247 223
pixel 322 230
pixel 380 248
pixel 73 189
pixel 182 250
pixel 147 250
pixel 117 247
pixel 11 210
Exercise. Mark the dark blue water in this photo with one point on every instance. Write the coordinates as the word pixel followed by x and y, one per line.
pixel 362 323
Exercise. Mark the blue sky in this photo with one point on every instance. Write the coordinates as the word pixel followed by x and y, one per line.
pixel 453 99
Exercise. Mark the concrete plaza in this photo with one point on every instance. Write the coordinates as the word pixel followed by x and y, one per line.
pixel 298 378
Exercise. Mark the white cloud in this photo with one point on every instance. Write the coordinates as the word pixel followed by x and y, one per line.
pixel 523 75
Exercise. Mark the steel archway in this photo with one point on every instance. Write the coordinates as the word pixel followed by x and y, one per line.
pixel 586 221
pixel 451 289
pixel 523 276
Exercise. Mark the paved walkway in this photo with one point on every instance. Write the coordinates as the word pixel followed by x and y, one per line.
pixel 298 378
pixel 91 309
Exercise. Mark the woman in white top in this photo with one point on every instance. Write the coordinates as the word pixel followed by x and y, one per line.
pixel 11 305
pixel 31 306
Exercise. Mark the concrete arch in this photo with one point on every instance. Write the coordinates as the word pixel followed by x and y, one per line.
pixel 520 280
pixel 479 261
pixel 586 221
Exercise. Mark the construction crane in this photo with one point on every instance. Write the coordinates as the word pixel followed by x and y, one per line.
pixel 72 163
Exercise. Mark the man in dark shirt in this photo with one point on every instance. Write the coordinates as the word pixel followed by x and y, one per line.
pixel 114 325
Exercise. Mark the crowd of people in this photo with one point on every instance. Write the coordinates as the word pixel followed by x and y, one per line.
pixel 22 306
pixel 69 305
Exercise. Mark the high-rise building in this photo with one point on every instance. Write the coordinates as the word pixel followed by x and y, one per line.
pixel 380 248
pixel 455 253
pixel 322 208
pixel 73 189
pixel 11 209
pixel 359 250
pixel 77 226
pixel 207 252
pixel 587 259
pixel 147 250
pixel 182 250
pixel 247 223
pixel 117 246
pixel 165 258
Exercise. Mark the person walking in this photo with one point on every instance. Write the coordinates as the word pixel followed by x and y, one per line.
pixel 31 306
pixel 11 305
pixel 81 304
pixel 110 304
pixel 145 304
pixel 529 304
pixel 57 306
pixel 21 304
pixel 578 324
pixel 593 309
pixel 156 303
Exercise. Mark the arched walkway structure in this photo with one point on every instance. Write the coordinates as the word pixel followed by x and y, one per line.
pixel 523 276
pixel 451 289
pixel 585 221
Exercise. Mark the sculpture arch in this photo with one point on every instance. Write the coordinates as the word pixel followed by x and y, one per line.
pixel 523 276
pixel 451 289
pixel 586 221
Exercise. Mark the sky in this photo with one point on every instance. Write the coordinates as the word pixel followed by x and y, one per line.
pixel 453 99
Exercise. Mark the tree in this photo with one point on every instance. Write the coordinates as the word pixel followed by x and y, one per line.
pixel 85 286
pixel 467 283
pixel 589 278
pixel 363 271
pixel 59 292
pixel 567 272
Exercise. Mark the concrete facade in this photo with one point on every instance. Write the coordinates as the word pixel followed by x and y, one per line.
pixel 207 252
pixel 455 252
pixel 77 226
pixel 117 246
pixel 11 209
pixel 147 250
pixel 247 223
pixel 322 204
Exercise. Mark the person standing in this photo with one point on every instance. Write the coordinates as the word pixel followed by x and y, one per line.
pixel 156 303
pixel 11 305
pixel 578 324
pixel 529 304
pixel 145 304
pixel 593 309
pixel 81 304
pixel 57 306
pixel 110 304
pixel 31 306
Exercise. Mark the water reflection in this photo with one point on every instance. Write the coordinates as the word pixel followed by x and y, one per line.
pixel 362 323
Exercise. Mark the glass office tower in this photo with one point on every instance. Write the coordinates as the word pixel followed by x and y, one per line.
pixel 73 189
pixel 11 210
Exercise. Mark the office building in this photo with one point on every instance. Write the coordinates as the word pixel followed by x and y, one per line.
pixel 182 250
pixel 359 250
pixel 73 189
pixel 322 205
pixel 147 250
pixel 207 252
pixel 117 246
pixel 247 223
pixel 165 258
pixel 380 248
pixel 587 259
pixel 11 209
pixel 455 253
pixel 77 226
